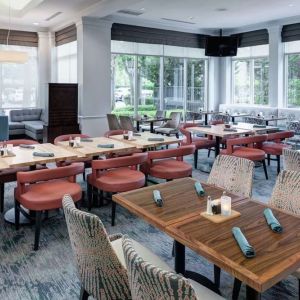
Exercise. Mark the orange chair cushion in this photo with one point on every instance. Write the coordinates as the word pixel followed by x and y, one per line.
pixel 118 180
pixel 274 148
pixel 253 154
pixel 170 169
pixel 48 195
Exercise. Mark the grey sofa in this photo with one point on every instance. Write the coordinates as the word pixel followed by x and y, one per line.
pixel 28 122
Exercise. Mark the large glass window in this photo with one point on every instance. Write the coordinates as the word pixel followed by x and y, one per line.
pixel 292 64
pixel 148 77
pixel 67 63
pixel 251 75
pixel 19 82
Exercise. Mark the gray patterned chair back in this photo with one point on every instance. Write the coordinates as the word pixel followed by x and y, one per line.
pixel 126 123
pixel 113 122
pixel 101 273
pixel 175 117
pixel 233 174
pixel 286 193
pixel 291 160
pixel 148 282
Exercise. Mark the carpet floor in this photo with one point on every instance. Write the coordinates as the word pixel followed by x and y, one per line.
pixel 50 273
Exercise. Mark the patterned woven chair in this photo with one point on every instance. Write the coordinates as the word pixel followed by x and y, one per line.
pixel 291 160
pixel 286 196
pixel 99 256
pixel 234 174
pixel 150 282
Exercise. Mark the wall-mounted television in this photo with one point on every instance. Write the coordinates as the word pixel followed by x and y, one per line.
pixel 221 46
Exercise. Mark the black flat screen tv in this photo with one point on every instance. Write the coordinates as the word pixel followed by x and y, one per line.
pixel 221 46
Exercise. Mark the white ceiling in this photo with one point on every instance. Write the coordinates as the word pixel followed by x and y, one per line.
pixel 204 14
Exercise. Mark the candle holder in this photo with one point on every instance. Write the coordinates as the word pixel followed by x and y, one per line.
pixel 226 206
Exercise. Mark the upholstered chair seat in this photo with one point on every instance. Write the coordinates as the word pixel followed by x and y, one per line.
pixel 246 152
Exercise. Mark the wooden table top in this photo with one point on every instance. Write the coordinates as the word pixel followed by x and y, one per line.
pixel 25 158
pixel 149 120
pixel 3 164
pixel 251 127
pixel 90 149
pixel 203 112
pixel 217 130
pixel 277 255
pixel 269 118
pixel 180 201
pixel 141 142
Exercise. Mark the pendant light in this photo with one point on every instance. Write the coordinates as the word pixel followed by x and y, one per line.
pixel 12 56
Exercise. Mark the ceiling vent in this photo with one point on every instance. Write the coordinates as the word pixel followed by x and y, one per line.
pixel 53 16
pixel 130 12
pixel 178 21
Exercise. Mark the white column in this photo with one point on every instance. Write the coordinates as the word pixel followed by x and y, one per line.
pixel 276 59
pixel 44 66
pixel 214 82
pixel 94 74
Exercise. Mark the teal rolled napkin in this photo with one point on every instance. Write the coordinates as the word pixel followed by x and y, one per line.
pixel 230 129
pixel 26 146
pixel 272 221
pixel 137 134
pixel 155 139
pixel 43 154
pixel 106 146
pixel 205 126
pixel 158 198
pixel 245 247
pixel 199 189
pixel 235 123
pixel 259 126
pixel 86 140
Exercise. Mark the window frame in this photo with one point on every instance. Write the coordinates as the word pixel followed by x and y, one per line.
pixel 161 79
pixel 252 75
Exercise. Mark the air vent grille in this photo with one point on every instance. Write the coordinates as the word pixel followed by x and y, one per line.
pixel 53 16
pixel 130 12
pixel 178 21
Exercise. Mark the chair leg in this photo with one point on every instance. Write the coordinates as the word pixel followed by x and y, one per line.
pixel 38 221
pixel 113 212
pixel 83 175
pixel 278 163
pixel 236 289
pixel 217 276
pixel 196 159
pixel 173 249
pixel 1 197
pixel 208 154
pixel 269 159
pixel 84 295
pixel 89 196
pixel 17 214
pixel 265 169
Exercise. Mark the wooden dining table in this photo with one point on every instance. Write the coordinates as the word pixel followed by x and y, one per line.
pixel 277 255
pixel 254 129
pixel 140 140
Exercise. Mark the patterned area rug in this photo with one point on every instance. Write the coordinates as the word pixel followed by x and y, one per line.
pixel 50 273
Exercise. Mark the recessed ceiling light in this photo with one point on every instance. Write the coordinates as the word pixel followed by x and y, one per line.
pixel 142 9
pixel 36 23
pixel 191 18
pixel 291 5
pixel 221 9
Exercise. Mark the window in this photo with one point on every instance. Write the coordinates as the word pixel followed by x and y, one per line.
pixel 147 77
pixel 292 65
pixel 19 82
pixel 251 75
pixel 67 63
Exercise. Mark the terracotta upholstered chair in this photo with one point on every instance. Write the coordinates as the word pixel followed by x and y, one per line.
pixel 169 164
pixel 234 174
pixel 113 122
pixel 274 145
pixel 148 280
pixel 291 160
pixel 199 142
pixel 171 126
pixel 10 175
pixel 237 147
pixel 43 190
pixel 62 138
pixel 116 175
pixel 99 256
